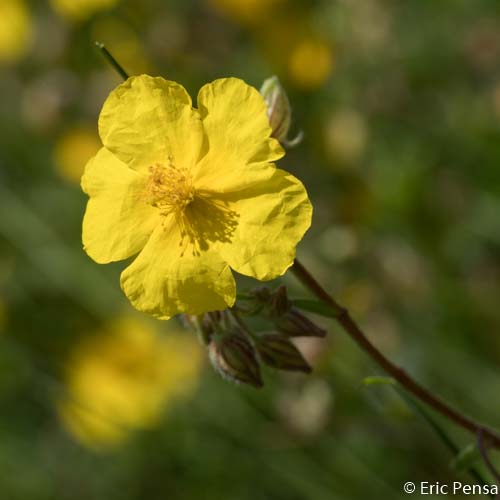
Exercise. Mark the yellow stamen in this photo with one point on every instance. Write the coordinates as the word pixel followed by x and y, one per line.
pixel 169 188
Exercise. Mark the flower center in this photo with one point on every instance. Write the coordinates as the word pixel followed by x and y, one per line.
pixel 169 188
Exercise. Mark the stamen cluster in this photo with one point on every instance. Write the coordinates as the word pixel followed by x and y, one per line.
pixel 169 188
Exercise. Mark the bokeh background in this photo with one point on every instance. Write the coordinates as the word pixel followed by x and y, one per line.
pixel 400 107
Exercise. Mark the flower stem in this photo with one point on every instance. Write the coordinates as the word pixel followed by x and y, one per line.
pixel 484 455
pixel 354 331
pixel 105 52
pixel 441 433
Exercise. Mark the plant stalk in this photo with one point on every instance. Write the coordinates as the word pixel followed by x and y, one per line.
pixel 116 65
pixel 405 380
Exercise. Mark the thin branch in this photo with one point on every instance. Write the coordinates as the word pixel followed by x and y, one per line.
pixel 481 446
pixel 105 52
pixel 441 433
pixel 354 331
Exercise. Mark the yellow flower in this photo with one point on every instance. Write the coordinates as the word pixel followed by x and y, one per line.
pixel 15 30
pixel 246 10
pixel 194 191
pixel 79 10
pixel 124 378
pixel 345 137
pixel 310 63
pixel 73 150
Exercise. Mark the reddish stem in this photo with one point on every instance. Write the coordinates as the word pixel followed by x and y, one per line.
pixel 406 381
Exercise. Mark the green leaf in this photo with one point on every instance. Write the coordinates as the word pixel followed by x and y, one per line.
pixel 465 458
pixel 315 306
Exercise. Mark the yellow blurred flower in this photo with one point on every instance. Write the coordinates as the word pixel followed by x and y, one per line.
pixel 194 191
pixel 73 150
pixel 79 10
pixel 124 378
pixel 16 30
pixel 345 136
pixel 310 63
pixel 360 297
pixel 246 10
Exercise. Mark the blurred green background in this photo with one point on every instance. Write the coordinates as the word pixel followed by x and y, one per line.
pixel 400 106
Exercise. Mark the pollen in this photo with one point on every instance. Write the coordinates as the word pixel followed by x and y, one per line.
pixel 169 188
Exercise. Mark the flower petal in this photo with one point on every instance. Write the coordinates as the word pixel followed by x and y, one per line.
pixel 168 277
pixel 272 217
pixel 117 223
pixel 235 121
pixel 148 120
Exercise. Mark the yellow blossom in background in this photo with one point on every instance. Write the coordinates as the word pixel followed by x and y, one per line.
pixel 194 191
pixel 124 378
pixel 310 63
pixel 16 30
pixel 73 150
pixel 246 10
pixel 80 10
pixel 345 137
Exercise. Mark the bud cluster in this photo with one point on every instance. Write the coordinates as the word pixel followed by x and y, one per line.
pixel 237 353
pixel 287 319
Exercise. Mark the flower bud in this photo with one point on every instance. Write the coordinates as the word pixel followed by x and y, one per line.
pixel 269 303
pixel 275 306
pixel 277 351
pixel 279 302
pixel 204 324
pixel 233 356
pixel 279 111
pixel 262 293
pixel 255 301
pixel 294 324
